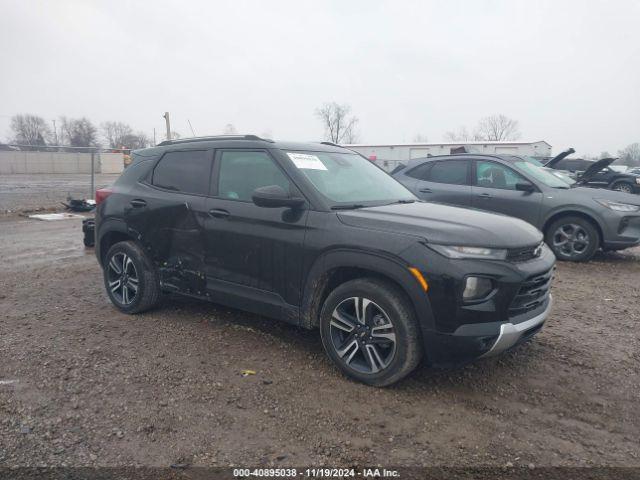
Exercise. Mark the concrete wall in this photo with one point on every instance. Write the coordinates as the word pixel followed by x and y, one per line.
pixel 58 162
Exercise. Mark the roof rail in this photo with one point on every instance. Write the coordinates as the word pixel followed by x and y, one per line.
pixel 212 138
pixel 331 143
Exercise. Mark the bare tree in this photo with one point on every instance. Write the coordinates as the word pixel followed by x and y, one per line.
pixel 419 138
pixel 338 125
pixel 459 135
pixel 134 141
pixel 79 132
pixel 230 129
pixel 630 155
pixel 115 133
pixel 497 128
pixel 29 130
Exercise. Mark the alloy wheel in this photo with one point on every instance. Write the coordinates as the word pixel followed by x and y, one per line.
pixel 571 240
pixel 623 187
pixel 122 278
pixel 362 335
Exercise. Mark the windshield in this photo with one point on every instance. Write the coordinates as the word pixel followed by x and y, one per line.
pixel 346 178
pixel 544 175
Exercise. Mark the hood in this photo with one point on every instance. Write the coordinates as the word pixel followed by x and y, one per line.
pixel 559 157
pixel 601 193
pixel 445 224
pixel 595 168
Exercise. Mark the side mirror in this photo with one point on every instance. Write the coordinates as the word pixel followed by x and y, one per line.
pixel 525 187
pixel 274 196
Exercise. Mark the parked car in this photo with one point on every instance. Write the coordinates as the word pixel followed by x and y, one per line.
pixel 576 220
pixel 321 237
pixel 634 171
pixel 602 174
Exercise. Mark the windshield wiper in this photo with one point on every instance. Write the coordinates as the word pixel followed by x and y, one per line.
pixel 352 206
pixel 407 200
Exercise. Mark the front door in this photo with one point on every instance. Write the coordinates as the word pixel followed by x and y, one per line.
pixel 253 254
pixel 494 189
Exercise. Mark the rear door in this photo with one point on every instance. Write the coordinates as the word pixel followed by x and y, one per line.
pixel 494 190
pixel 167 213
pixel 444 181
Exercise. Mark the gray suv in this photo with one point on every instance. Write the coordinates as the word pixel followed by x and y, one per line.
pixel 575 220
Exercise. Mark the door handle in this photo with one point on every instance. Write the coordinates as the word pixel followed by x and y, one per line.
pixel 137 203
pixel 425 190
pixel 218 213
pixel 485 195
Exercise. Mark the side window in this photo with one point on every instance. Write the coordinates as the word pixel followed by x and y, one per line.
pixel 496 175
pixel 242 172
pixel 453 172
pixel 186 172
pixel 420 172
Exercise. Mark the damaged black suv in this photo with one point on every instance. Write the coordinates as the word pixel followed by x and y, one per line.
pixel 318 236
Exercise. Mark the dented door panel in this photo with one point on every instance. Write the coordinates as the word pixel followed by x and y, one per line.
pixel 171 227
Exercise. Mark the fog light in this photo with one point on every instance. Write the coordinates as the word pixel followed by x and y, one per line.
pixel 476 288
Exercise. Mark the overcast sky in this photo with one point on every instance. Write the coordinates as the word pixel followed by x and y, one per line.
pixel 568 71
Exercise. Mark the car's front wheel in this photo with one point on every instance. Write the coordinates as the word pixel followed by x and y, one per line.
pixel 574 239
pixel 624 187
pixel 131 280
pixel 369 330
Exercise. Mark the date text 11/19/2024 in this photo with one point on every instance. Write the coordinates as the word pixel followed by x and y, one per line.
pixel 315 472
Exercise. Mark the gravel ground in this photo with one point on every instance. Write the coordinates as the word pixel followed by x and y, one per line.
pixel 82 384
pixel 20 192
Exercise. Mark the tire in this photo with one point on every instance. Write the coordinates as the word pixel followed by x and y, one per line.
pixel 573 239
pixel 139 268
pixel 625 187
pixel 375 355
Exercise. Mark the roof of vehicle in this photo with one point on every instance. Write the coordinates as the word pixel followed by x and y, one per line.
pixel 469 142
pixel 235 141
pixel 453 156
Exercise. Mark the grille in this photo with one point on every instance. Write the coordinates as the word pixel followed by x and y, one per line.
pixel 524 254
pixel 533 292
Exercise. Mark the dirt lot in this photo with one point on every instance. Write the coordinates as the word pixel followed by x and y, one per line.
pixel 25 192
pixel 81 384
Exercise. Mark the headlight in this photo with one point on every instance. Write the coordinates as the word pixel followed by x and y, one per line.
pixel 476 288
pixel 638 180
pixel 470 252
pixel 617 206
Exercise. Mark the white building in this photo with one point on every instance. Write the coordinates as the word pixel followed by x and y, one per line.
pixel 389 155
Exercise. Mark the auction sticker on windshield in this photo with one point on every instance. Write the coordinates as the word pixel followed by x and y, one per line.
pixel 306 161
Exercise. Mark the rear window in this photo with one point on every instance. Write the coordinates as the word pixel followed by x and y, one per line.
pixel 186 172
pixel 453 172
pixel 420 172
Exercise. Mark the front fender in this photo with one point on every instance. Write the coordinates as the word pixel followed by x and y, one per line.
pixel 380 263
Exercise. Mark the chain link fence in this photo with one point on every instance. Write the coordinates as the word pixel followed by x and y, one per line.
pixel 33 178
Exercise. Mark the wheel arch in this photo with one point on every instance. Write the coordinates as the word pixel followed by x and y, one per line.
pixel 339 266
pixel 110 234
pixel 574 213
pixel 617 180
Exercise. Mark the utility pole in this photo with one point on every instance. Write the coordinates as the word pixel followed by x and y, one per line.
pixel 55 133
pixel 154 137
pixel 166 119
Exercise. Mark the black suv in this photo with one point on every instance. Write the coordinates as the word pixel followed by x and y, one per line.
pixel 319 236
pixel 597 174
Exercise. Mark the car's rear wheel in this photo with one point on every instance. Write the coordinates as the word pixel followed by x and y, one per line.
pixel 131 280
pixel 624 187
pixel 369 330
pixel 574 239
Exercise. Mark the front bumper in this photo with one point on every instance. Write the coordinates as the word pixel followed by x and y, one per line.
pixel 512 334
